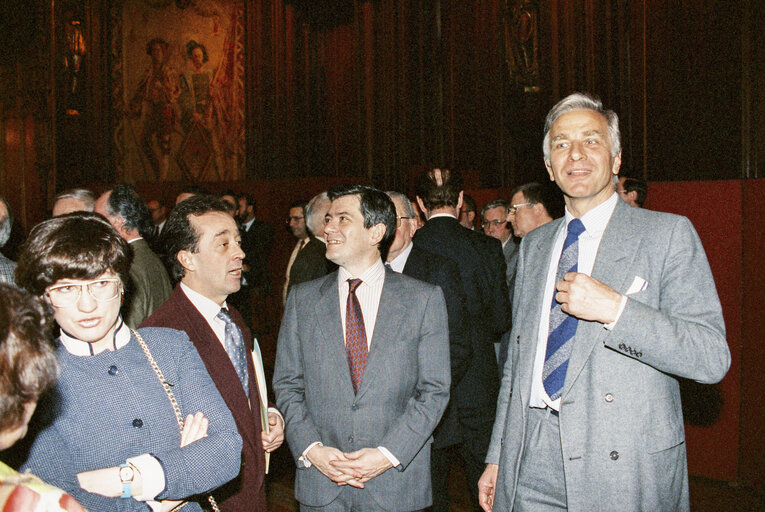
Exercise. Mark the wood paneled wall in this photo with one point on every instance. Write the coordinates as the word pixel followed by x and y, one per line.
pixel 374 88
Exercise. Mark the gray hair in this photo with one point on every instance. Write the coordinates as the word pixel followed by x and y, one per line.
pixel 495 204
pixel 408 208
pixel 83 195
pixel 6 223
pixel 581 101
pixel 315 211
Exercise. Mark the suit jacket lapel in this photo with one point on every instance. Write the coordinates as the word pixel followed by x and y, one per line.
pixel 537 262
pixel 617 249
pixel 332 337
pixel 389 314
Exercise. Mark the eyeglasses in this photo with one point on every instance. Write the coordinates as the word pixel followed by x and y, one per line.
pixel 513 209
pixel 67 295
pixel 492 223
pixel 295 219
pixel 399 218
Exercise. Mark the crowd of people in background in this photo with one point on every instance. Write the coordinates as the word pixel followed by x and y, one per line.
pixel 535 341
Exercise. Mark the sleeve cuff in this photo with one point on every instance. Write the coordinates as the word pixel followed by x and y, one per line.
pixel 277 412
pixel 303 458
pixel 611 326
pixel 388 455
pixel 155 506
pixel 152 476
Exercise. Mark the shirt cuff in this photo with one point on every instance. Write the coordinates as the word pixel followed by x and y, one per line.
pixel 152 476
pixel 388 455
pixel 155 506
pixel 276 411
pixel 303 458
pixel 611 326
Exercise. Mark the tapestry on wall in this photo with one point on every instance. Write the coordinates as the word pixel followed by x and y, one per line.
pixel 178 90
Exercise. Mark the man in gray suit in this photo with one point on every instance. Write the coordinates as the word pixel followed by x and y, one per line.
pixel 362 368
pixel 495 223
pixel 589 416
pixel 150 286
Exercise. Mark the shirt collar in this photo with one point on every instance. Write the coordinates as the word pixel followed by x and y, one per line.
pixel 135 239
pixel 436 215
pixel 399 262
pixel 206 307
pixel 84 349
pixel 246 225
pixel 373 274
pixel 596 220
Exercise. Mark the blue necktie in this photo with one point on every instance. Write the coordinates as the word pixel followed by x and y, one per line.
pixel 560 338
pixel 234 345
pixel 355 336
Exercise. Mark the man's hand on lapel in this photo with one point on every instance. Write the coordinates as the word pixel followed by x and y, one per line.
pixel 363 465
pixel 587 298
pixel 324 458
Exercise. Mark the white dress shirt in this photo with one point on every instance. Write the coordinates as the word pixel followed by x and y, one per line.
pixel 595 222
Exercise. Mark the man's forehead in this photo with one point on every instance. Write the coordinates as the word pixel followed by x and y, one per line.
pixel 213 223
pixel 350 203
pixel 496 211
pixel 578 121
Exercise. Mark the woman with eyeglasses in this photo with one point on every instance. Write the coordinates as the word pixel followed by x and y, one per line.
pixel 116 438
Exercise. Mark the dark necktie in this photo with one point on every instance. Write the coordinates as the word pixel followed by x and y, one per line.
pixel 560 338
pixel 355 336
pixel 234 345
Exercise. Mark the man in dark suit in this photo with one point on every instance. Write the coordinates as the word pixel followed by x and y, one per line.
pixel 203 241
pixel 482 267
pixel 310 262
pixel 362 368
pixel 612 304
pixel 257 239
pixel 127 212
pixel 411 260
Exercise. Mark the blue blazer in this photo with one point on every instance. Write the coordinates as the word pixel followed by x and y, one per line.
pixel 111 406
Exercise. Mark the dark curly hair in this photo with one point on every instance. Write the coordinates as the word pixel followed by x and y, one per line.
pixel 78 245
pixel 28 364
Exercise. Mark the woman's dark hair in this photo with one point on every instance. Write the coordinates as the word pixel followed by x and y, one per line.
pixel 191 45
pixel 28 364
pixel 79 245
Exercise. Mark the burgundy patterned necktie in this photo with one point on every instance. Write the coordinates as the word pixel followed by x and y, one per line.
pixel 355 336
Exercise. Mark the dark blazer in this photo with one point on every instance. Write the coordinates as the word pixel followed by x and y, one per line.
pixel 310 263
pixel 443 272
pixel 246 492
pixel 482 268
pixel 256 244
pixel 150 284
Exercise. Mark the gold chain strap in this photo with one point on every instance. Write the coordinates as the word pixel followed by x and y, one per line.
pixel 170 396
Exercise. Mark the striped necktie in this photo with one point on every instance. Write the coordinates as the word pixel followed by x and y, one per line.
pixel 560 338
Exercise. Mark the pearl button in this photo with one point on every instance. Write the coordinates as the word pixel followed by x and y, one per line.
pixel 609 397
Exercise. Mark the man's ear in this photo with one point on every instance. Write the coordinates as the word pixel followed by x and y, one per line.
pixel 633 196
pixel 459 201
pixel 186 259
pixel 376 233
pixel 422 207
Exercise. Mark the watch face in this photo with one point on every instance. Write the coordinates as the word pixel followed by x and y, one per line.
pixel 126 474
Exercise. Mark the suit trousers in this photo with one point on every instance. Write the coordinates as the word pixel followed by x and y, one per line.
pixel 441 460
pixel 350 499
pixel 541 481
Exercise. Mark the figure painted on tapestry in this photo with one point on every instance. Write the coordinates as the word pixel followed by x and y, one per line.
pixel 194 98
pixel 154 102
pixel 521 22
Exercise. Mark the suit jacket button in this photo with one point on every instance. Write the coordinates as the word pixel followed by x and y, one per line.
pixel 350 439
pixel 113 370
pixel 614 455
pixel 609 397
pixel 354 406
pixel 137 423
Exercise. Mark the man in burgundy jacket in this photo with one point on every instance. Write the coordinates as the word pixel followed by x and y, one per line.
pixel 203 241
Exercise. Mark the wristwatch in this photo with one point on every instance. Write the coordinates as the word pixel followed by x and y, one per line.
pixel 126 477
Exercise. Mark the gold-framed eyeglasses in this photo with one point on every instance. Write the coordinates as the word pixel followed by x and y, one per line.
pixel 67 295
pixel 399 218
pixel 493 223
pixel 513 209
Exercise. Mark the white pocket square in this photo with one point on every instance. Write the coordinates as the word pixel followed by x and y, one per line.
pixel 638 285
